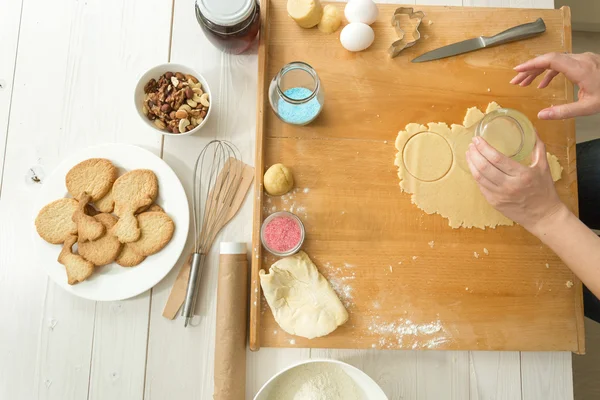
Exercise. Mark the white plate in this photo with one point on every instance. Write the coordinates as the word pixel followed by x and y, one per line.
pixel 113 282
pixel 367 387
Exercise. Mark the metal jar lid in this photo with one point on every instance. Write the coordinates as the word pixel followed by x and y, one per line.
pixel 226 12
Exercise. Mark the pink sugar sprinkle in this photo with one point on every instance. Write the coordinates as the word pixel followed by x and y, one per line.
pixel 282 234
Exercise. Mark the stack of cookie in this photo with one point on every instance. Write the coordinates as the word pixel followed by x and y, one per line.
pixel 110 219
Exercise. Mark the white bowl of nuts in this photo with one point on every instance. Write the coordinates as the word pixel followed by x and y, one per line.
pixel 173 99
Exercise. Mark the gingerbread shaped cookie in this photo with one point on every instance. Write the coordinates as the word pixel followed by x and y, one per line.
pixel 88 228
pixel 131 192
pixel 105 249
pixel 78 269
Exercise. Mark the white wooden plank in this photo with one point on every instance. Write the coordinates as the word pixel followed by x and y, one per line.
pixel 443 375
pixel 119 351
pixel 495 375
pixel 487 3
pixel 10 20
pixel 184 367
pixel 532 3
pixel 546 375
pixel 510 3
pixel 73 88
pixel 118 362
pixel 440 2
pixel 394 370
pixel 66 338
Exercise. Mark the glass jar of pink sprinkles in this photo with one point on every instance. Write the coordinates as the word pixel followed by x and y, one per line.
pixel 282 233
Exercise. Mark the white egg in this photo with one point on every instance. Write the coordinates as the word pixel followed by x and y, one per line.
pixel 364 11
pixel 357 36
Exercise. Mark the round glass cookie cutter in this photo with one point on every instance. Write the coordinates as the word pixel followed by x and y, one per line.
pixel 508 131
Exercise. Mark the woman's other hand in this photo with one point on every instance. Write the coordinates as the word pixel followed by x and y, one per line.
pixel 581 69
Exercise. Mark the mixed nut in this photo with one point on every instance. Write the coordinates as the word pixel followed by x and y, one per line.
pixel 176 102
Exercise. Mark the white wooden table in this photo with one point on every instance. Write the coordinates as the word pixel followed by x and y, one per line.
pixel 67 73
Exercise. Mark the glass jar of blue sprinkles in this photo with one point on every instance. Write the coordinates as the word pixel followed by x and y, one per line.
pixel 296 94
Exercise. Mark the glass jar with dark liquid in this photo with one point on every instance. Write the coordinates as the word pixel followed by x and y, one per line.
pixel 231 25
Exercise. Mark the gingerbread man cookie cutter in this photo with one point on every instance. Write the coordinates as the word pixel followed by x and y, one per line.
pixel 403 42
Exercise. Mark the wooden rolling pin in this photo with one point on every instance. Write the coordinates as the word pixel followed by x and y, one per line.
pixel 232 311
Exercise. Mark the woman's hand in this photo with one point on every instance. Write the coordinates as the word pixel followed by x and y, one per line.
pixel 581 69
pixel 524 194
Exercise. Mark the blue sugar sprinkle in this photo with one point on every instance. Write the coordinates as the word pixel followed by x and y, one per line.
pixel 298 114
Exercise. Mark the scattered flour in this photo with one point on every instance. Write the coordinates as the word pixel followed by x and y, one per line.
pixel 315 381
pixel 405 332
pixel 486 251
pixel 431 244
pixel 306 190
pixel 339 278
pixel 475 254
pixel 415 257
pixel 569 284
pixel 547 265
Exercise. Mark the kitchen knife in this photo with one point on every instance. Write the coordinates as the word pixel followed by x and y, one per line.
pixel 520 32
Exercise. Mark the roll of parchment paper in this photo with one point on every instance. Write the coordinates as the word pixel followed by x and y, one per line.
pixel 232 309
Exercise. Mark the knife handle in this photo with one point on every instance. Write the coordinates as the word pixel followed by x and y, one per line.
pixel 520 32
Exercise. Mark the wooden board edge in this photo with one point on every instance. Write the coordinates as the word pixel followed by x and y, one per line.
pixel 572 170
pixel 255 303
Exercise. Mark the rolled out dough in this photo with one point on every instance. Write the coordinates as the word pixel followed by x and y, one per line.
pixel 301 299
pixel 453 194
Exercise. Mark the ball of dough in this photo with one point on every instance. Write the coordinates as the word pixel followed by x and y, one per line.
pixel 306 13
pixel 278 180
pixel 331 19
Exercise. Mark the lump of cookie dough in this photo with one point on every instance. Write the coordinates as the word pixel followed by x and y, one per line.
pixel 301 299
pixel 105 249
pixel 54 224
pixel 278 180
pixel 94 176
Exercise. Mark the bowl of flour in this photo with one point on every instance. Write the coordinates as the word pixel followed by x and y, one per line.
pixel 321 380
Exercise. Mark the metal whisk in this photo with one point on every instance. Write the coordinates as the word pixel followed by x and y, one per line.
pixel 217 178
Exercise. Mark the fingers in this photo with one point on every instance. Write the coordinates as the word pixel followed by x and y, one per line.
pixel 484 167
pixel 521 76
pixel 551 74
pixel 479 178
pixel 527 81
pixel 559 62
pixel 497 159
pixel 564 111
pixel 538 156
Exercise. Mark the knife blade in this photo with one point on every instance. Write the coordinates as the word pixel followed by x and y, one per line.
pixel 520 32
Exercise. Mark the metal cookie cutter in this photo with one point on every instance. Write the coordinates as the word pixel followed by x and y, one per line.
pixel 403 42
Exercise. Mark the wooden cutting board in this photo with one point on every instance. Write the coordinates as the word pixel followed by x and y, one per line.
pixel 364 234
